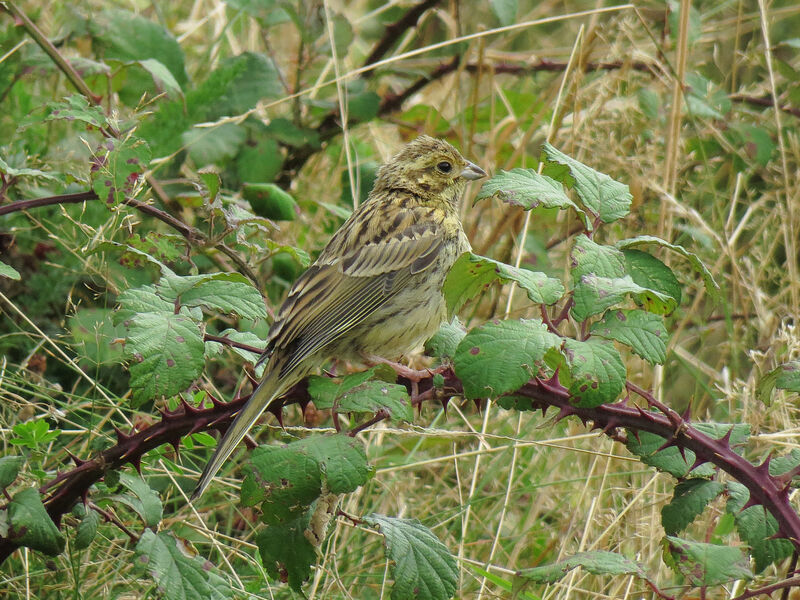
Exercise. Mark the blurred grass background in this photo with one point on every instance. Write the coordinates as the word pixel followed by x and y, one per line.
pixel 681 109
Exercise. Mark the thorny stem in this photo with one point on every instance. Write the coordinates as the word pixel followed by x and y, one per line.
pixel 771 492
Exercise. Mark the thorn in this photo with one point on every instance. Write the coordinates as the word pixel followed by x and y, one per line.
pixel 445 403
pixel 610 426
pixel 669 443
pixel 686 415
pixel 277 410
pixel 176 444
pixel 253 381
pixel 725 440
pixel 564 412
pixel 121 436
pixel 137 463
pixel 478 405
pixel 764 467
pixel 78 461
pixel 188 409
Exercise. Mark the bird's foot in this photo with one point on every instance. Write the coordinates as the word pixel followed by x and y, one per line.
pixel 415 375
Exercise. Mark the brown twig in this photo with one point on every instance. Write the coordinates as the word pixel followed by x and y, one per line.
pixel 393 32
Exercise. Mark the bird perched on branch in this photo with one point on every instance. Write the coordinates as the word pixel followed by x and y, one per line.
pixel 376 288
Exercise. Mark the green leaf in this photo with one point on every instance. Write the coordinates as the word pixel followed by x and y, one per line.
pixel 134 301
pixel 705 564
pixel 644 332
pixel 32 434
pixel 287 479
pixel 166 353
pixel 130 256
pixel 649 272
pixel 596 372
pixel 606 198
pixel 131 37
pixel 163 78
pixel 118 167
pixel 325 391
pixel 290 134
pixel 259 162
pixel 9 469
pixel 444 342
pixel 177 574
pixel 257 79
pixel 24 172
pixel 342 460
pixel 694 261
pixel 528 189
pixel 283 480
pixel 422 567
pixel 502 356
pixel 504 10
pixel 270 201
pixel 689 500
pixel 738 496
pixel 226 293
pixel 587 256
pixel 214 145
pixel 10 272
pixel 243 337
pixel 669 460
pixel 145 501
pixel 86 530
pixel 782 377
pixel 372 396
pixel 29 524
pixel 76 108
pixel 286 551
pixel 471 274
pixel 598 562
pixel 594 294
pixel 757 527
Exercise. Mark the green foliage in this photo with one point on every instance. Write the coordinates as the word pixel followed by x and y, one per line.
pixel 29 524
pixel 704 564
pixel 177 574
pixel 422 567
pixel 472 274
pixel 500 357
pixel 236 124
pixel 596 562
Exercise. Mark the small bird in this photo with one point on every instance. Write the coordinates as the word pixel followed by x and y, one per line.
pixel 376 288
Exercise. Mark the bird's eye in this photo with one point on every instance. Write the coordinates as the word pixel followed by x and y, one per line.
pixel 444 166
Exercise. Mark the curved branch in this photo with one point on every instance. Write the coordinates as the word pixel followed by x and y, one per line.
pixel 771 492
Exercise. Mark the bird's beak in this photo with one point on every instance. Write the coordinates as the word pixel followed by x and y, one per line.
pixel 472 172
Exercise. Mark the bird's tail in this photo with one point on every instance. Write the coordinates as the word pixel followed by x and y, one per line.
pixel 271 386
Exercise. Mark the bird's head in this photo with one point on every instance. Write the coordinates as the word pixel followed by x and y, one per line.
pixel 430 168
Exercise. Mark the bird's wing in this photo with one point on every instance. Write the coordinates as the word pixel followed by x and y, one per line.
pixel 335 296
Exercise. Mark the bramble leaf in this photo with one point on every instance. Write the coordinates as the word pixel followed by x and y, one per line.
pixel 597 562
pixel 689 500
pixel 501 356
pixel 29 524
pixel 422 567
pixel 177 574
pixel 605 197
pixel 644 332
pixel 472 274
pixel 705 564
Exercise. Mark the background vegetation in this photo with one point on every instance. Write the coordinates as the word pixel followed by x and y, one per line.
pixel 698 115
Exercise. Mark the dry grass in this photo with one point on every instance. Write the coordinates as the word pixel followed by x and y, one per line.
pixel 504 490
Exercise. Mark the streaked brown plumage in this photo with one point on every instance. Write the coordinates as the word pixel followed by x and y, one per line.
pixel 375 289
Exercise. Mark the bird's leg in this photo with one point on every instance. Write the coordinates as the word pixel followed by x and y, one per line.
pixel 402 370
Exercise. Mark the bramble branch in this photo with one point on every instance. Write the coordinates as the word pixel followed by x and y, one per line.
pixel 772 492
